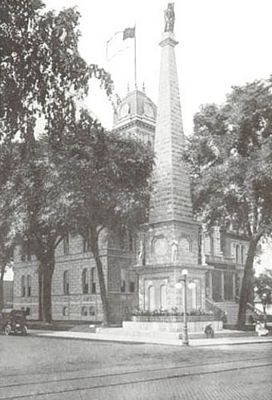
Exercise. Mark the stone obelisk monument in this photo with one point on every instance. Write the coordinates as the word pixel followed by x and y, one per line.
pixel 171 240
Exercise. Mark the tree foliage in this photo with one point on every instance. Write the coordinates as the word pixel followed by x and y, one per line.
pixel 230 154
pixel 263 288
pixel 41 69
pixel 106 179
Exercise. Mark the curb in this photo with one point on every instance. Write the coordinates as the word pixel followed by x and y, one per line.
pixel 129 340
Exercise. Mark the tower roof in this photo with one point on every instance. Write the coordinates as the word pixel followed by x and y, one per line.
pixel 136 104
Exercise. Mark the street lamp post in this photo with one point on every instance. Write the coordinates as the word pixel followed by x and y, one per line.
pixel 185 337
pixel 264 302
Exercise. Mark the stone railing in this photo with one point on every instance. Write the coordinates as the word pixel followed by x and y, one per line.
pixel 171 318
pixel 217 311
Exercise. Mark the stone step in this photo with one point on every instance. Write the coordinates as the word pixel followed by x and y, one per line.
pixel 124 333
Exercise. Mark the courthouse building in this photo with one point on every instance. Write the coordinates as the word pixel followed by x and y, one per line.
pixel 143 269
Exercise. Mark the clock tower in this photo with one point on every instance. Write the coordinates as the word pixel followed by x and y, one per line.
pixel 136 117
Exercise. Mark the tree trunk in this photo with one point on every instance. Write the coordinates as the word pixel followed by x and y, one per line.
pixel 47 293
pixel 45 253
pixel 1 291
pixel 247 284
pixel 40 288
pixel 99 266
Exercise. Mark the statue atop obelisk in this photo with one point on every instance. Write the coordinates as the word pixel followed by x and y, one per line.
pixel 169 17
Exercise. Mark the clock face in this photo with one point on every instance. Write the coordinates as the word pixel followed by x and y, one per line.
pixel 185 245
pixel 148 110
pixel 124 110
pixel 160 246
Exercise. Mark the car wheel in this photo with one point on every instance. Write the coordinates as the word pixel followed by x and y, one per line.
pixel 7 330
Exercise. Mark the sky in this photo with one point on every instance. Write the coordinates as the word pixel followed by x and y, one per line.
pixel 221 43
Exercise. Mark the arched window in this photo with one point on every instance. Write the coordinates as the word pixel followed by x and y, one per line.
pixel 151 298
pixel 91 310
pixel 124 279
pixel 237 253
pixel 28 283
pixel 66 245
pixel 66 282
pixel 93 283
pixel 163 303
pixel 242 254
pixel 65 311
pixel 86 244
pixel 84 311
pixel 85 283
pixel 23 286
pixel 192 294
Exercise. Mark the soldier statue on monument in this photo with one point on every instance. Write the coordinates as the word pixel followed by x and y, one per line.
pixel 169 17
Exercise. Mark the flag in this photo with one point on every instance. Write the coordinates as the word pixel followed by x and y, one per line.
pixel 116 44
pixel 129 33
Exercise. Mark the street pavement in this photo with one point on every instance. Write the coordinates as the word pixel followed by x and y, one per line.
pixel 48 368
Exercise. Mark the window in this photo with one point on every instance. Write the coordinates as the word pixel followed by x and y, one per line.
pixel 23 286
pixel 123 286
pixel 163 297
pixel 27 312
pixel 237 253
pixel 242 254
pixel 86 244
pixel 84 311
pixel 124 279
pixel 65 311
pixel 93 283
pixel 66 282
pixel 85 285
pixel 28 281
pixel 151 298
pixel 66 245
pixel 132 287
pixel 91 310
pixel 26 251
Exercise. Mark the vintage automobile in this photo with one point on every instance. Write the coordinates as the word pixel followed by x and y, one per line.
pixel 13 321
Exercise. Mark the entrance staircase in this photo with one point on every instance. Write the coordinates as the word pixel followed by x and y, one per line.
pixel 230 310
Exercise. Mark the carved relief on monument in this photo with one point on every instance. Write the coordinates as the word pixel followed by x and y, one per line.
pixel 185 244
pixel 160 246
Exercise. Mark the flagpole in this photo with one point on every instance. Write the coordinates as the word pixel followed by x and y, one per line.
pixel 135 60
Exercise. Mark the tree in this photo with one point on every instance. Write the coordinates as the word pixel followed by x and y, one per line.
pixel 8 162
pixel 230 156
pixel 39 213
pixel 42 78
pixel 106 179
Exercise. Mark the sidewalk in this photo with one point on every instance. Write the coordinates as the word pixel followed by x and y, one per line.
pixel 230 338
